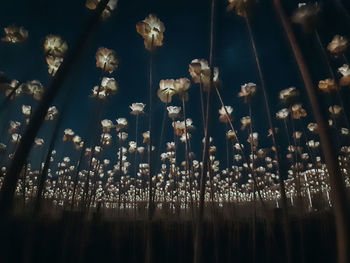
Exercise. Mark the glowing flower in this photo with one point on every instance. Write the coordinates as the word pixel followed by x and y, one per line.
pixel 106 60
pixel 173 112
pixel 92 5
pixel 52 113
pixel 327 85
pixel 55 46
pixel 345 71
pixel 253 139
pixel 312 127
pixel 200 72
pixel 338 45
pixel 78 142
pixel 26 110
pixel 14 126
pixel 109 85
pixel 53 64
pixel 231 135
pixel 137 108
pixel 247 91
pixel 107 125
pixel 181 87
pixel 246 121
pixel 106 139
pixel 298 112
pixel 146 137
pixel 240 7
pixel 34 88
pixel 306 15
pixel 225 118
pixel 345 131
pixel 180 128
pixel 132 146
pixel 15 34
pixel 335 109
pixel 313 144
pixel 68 135
pixel 38 142
pixel 152 31
pixel 297 135
pixel 166 90
pixel 98 92
pixel 122 124
pixel 289 94
pixel 282 114
pixel 15 138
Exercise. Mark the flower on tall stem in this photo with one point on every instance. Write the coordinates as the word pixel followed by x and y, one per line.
pixel 122 124
pixel 152 31
pixel 181 87
pixel 200 72
pixel 107 125
pixel 247 91
pixel 106 60
pixel 68 135
pixel 298 111
pixel 327 85
pixel 55 46
pixel 335 110
pixel 137 108
pixel 225 115
pixel 15 34
pixel 51 114
pixel 173 112
pixel 287 96
pixel 112 4
pixel 246 121
pixel 306 15
pixel 338 45
pixel 345 72
pixel 166 90
pixel 282 114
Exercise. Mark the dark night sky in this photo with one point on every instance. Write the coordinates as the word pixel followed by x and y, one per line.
pixel 186 38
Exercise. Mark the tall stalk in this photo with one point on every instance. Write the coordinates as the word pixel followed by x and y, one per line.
pixel 10 180
pixel 338 190
pixel 206 166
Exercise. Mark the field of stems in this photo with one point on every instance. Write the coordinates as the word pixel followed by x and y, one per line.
pixel 183 178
